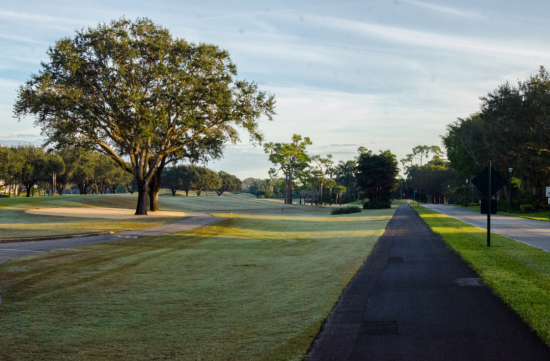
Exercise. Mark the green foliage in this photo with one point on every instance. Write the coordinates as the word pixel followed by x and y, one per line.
pixel 173 178
pixel 376 175
pixel 203 179
pixel 527 208
pixel 502 205
pixel 265 194
pixel 230 183
pixel 130 89
pixel 288 158
pixel 377 204
pixel 346 210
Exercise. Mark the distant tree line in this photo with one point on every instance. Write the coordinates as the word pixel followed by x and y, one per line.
pixel 313 179
pixel 511 128
pixel 27 167
pixel 199 179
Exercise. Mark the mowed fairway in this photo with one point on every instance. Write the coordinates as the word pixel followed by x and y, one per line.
pixel 16 223
pixel 254 287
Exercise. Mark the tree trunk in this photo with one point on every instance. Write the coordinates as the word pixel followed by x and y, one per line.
pixel 174 191
pixel 321 194
pixel 187 192
pixel 28 189
pixel 288 195
pixel 143 198
pixel 154 188
pixel 330 197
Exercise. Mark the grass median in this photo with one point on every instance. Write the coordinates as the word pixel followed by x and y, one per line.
pixel 254 287
pixel 516 272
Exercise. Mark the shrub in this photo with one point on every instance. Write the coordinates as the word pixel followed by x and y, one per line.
pixel 526 208
pixel 502 205
pixel 346 210
pixel 474 204
pixel 374 204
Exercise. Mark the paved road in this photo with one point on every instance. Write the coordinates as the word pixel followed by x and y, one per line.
pixel 20 249
pixel 529 231
pixel 415 299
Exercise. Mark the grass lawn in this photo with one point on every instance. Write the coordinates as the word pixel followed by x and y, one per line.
pixel 516 272
pixel 254 287
pixel 15 223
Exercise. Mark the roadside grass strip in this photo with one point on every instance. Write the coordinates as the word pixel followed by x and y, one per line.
pixel 538 216
pixel 518 273
pixel 247 288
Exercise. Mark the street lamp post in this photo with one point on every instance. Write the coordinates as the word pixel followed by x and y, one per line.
pixel 510 191
pixel 448 193
pixel 466 193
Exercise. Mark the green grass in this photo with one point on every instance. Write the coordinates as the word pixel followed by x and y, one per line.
pixel 254 287
pixel 516 272
pixel 15 223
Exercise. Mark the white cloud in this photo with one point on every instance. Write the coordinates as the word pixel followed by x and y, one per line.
pixel 444 9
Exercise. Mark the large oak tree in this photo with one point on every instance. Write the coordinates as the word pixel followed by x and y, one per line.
pixel 131 90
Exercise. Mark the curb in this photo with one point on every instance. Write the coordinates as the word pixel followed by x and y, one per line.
pixel 66 236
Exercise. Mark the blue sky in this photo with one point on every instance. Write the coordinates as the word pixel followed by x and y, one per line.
pixel 380 74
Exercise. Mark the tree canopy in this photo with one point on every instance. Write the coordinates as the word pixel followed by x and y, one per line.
pixel 377 175
pixel 288 158
pixel 230 183
pixel 129 89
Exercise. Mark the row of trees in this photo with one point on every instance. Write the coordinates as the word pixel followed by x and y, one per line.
pixel 27 166
pixel 512 129
pixel 315 178
pixel 199 179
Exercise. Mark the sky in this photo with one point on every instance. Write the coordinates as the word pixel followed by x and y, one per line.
pixel 379 74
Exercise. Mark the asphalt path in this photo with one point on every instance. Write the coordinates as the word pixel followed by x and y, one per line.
pixel 529 231
pixel 19 249
pixel 415 299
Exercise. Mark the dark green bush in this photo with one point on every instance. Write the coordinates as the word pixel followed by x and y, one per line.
pixel 502 205
pixel 265 194
pixel 346 210
pixel 526 208
pixel 374 204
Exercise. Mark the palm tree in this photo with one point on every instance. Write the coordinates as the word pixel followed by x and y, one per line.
pixel 345 173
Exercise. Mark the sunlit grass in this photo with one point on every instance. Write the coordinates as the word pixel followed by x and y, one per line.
pixel 242 289
pixel 309 218
pixel 15 223
pixel 518 273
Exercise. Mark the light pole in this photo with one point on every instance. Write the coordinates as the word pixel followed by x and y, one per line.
pixel 448 193
pixel 466 193
pixel 510 191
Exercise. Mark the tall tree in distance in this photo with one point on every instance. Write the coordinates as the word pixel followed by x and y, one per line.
pixel 289 158
pixel 129 89
pixel 377 177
